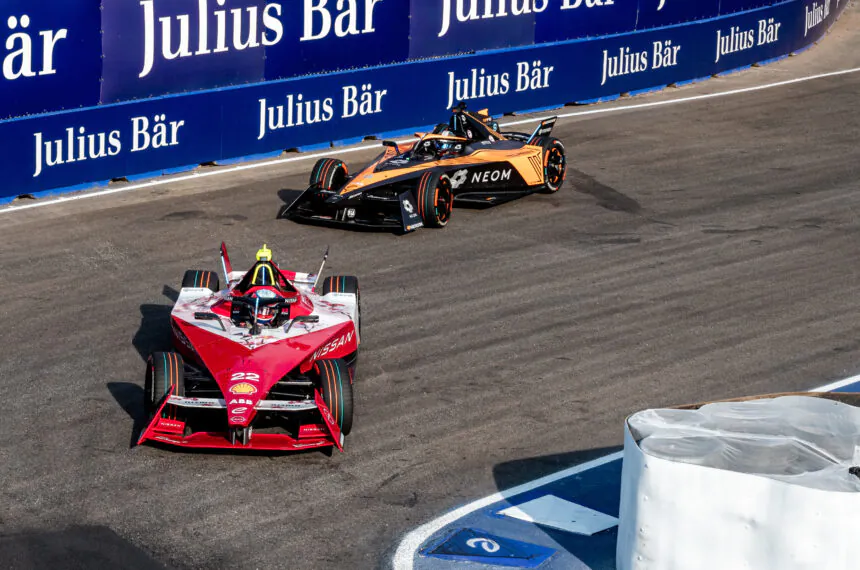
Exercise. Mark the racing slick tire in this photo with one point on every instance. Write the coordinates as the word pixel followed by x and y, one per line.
pixel 345 284
pixel 336 388
pixel 198 278
pixel 435 198
pixel 163 370
pixel 329 174
pixel 554 163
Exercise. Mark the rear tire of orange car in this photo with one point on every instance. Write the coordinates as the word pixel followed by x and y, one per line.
pixel 198 278
pixel 163 370
pixel 435 198
pixel 554 164
pixel 329 174
pixel 336 387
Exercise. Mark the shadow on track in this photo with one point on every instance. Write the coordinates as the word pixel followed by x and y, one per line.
pixel 78 547
pixel 153 334
pixel 596 489
pixel 513 473
pixel 130 397
pixel 607 197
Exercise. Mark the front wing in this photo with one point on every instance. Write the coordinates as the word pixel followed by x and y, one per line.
pixel 167 427
pixel 394 211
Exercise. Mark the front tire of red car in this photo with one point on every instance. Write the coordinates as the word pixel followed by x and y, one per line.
pixel 336 388
pixel 345 284
pixel 163 371
pixel 435 197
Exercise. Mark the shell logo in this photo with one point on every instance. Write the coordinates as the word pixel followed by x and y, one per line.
pixel 243 388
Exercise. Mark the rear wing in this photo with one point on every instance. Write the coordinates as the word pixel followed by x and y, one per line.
pixel 543 130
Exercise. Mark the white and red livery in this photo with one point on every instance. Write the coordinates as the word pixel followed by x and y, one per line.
pixel 266 364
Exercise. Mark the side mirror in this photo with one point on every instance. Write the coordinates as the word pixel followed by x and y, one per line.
pixel 312 319
pixel 210 317
pixel 392 144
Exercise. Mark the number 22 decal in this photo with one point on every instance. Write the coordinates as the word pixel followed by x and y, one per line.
pixel 245 376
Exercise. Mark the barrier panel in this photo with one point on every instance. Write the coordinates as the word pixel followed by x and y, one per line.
pixel 50 55
pixel 101 142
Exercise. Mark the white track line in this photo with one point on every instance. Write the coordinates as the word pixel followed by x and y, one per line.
pixel 404 556
pixel 252 166
pixel 694 98
pixel 836 385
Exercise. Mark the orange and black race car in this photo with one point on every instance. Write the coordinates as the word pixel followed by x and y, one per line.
pixel 415 185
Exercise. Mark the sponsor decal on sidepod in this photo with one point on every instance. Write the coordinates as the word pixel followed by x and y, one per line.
pixel 333 345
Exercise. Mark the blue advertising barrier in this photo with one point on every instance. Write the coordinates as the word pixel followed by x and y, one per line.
pixel 325 39
pixel 51 56
pixel 152 48
pixel 99 143
pixel 67 54
pixel 574 19
pixel 461 26
pixel 658 13
pixel 155 48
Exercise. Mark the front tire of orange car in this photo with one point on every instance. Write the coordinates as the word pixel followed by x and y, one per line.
pixel 435 198
pixel 329 174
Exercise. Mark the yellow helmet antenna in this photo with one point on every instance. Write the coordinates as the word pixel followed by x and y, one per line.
pixel 264 254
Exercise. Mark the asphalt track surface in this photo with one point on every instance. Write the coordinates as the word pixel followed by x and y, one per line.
pixel 699 251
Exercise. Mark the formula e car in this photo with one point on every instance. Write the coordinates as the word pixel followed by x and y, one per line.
pixel 414 185
pixel 265 364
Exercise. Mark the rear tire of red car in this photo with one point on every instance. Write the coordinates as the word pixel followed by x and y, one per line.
pixel 329 174
pixel 435 197
pixel 336 388
pixel 163 370
pixel 345 284
pixel 198 278
pixel 554 163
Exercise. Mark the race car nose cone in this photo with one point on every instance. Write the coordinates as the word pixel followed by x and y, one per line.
pixel 242 398
pixel 239 415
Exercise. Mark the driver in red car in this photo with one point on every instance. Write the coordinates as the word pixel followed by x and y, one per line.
pixel 265 283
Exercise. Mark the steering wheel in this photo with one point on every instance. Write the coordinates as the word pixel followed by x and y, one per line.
pixel 255 303
pixel 425 149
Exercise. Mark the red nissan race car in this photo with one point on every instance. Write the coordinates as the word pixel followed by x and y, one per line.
pixel 266 364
